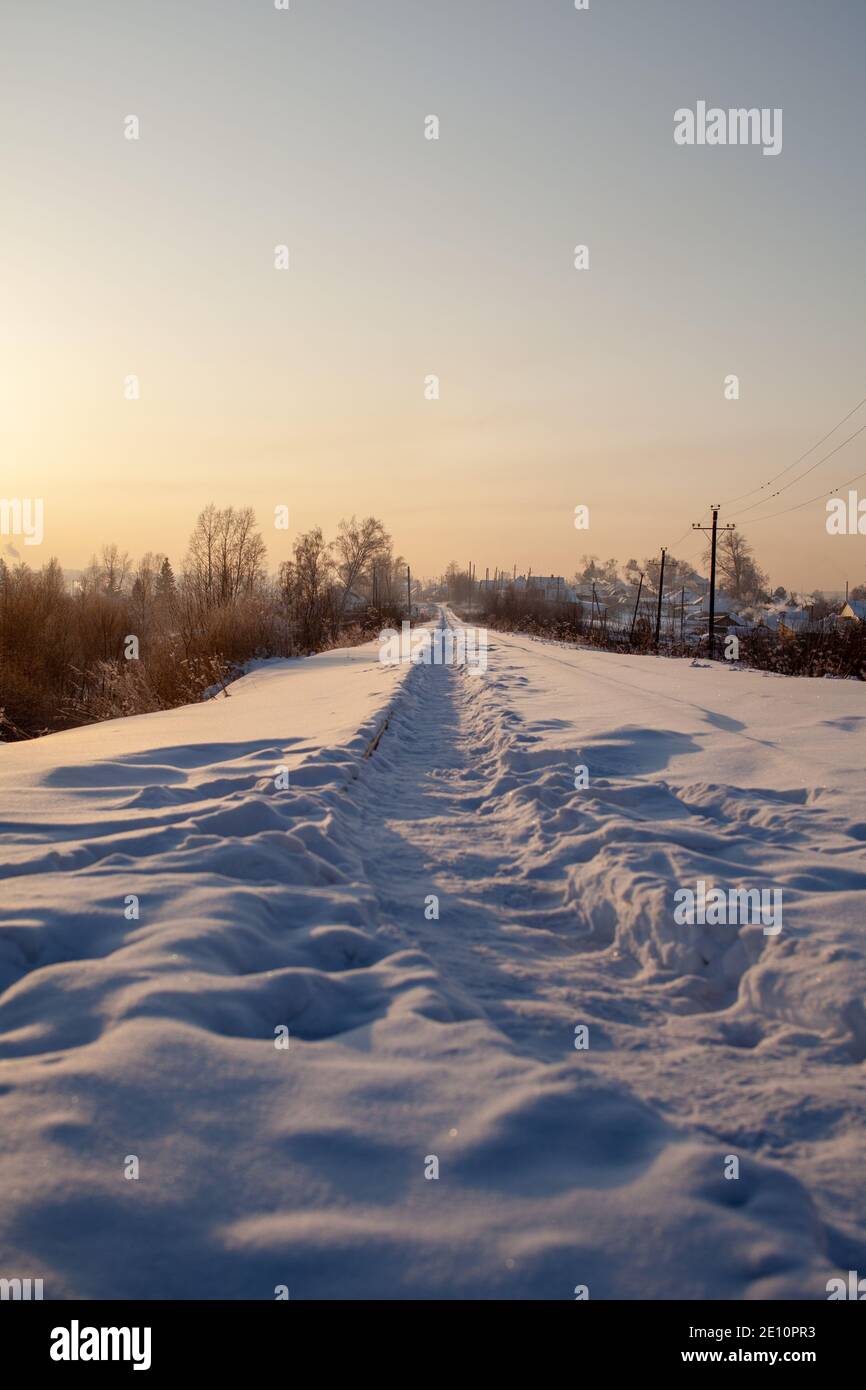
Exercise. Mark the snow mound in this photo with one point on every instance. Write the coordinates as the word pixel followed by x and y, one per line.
pixel 428 910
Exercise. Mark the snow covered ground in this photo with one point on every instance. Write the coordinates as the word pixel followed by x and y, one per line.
pixel 264 907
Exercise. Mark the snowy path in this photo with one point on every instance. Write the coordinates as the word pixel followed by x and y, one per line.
pixel 413 1037
pixel 441 828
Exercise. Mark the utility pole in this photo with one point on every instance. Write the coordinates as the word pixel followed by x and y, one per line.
pixel 636 602
pixel 714 530
pixel 409 590
pixel 661 585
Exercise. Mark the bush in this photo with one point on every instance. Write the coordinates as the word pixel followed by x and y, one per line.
pixel 839 652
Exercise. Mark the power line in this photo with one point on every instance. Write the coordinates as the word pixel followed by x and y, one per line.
pixel 789 466
pixel 752 505
pixel 820 497
pixel 687 532
pixel 781 474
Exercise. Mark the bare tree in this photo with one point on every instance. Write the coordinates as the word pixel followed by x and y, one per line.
pixel 305 587
pixel 591 570
pixel 737 568
pixel 457 583
pixel 359 545
pixel 632 571
pixel 114 570
pixel 245 552
pixel 146 577
pixel 226 556
pixel 677 572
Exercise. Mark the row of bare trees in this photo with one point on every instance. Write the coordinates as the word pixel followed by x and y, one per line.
pixel 66 654
pixel 739 576
pixel 739 573
pixel 325 584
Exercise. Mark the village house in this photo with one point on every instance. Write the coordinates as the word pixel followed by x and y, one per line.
pixel 725 618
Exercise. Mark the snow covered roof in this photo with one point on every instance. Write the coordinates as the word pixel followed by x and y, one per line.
pixel 792 619
pixel 795 619
pixel 702 604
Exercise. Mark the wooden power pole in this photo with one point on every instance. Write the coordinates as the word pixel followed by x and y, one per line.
pixel 659 609
pixel 714 531
pixel 636 602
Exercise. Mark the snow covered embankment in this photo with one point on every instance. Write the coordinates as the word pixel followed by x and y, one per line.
pixel 413 1038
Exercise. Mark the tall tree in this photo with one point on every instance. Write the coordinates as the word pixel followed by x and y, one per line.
pixel 358 547
pixel 305 586
pixel 737 570
pixel 114 570
pixel 226 556
pixel 165 585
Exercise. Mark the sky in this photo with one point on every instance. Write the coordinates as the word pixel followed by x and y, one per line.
pixel 410 257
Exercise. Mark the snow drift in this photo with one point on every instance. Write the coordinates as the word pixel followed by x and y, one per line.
pixel 302 900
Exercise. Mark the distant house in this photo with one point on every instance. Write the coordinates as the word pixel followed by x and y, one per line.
pixel 697 615
pixel 793 620
pixel 604 599
pixel 552 588
pixel 854 610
